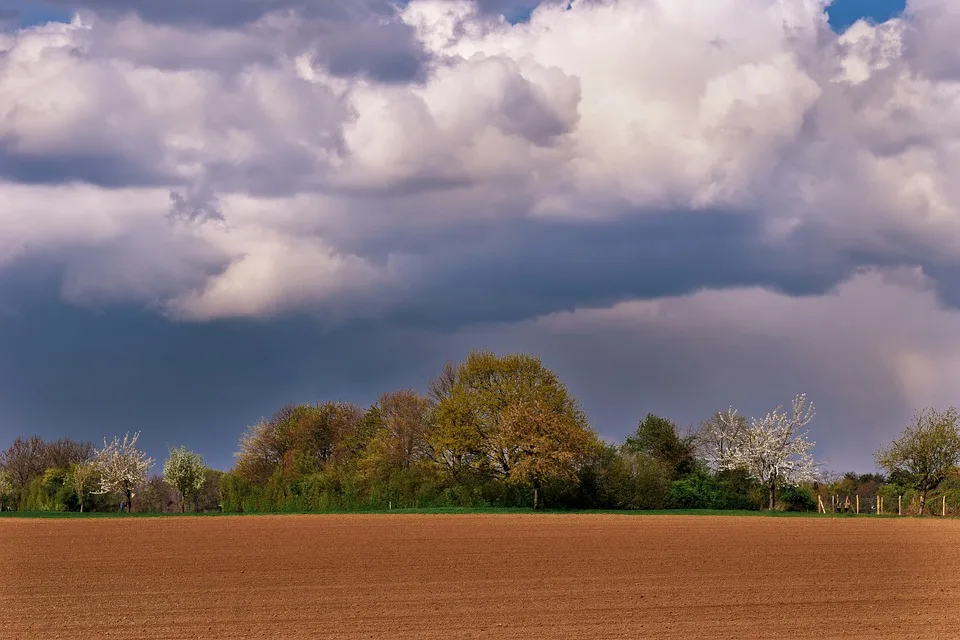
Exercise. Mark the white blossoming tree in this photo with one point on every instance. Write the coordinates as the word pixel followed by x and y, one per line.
pixel 773 449
pixel 122 467
pixel 6 486
pixel 718 434
pixel 184 469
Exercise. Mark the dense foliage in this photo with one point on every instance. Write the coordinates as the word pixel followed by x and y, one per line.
pixel 493 431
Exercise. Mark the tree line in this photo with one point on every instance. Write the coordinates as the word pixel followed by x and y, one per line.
pixel 492 431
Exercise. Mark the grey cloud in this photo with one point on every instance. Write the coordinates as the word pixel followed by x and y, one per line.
pixel 150 264
pixel 931 40
pixel 116 135
pixel 946 281
pixel 350 36
pixel 387 52
pixel 511 272
pixel 426 182
pixel 181 48
pixel 101 168
pixel 201 206
pixel 225 13
pixel 527 112
pixel 232 13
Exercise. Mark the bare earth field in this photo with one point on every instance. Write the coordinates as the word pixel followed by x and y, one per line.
pixel 496 576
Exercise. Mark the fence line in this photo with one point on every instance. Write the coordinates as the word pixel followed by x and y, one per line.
pixel 876 504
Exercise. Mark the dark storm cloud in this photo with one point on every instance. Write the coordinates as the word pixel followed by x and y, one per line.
pixel 946 279
pixel 221 13
pixel 350 37
pixel 232 13
pixel 384 51
pixel 531 268
pixel 98 168
pixel 91 373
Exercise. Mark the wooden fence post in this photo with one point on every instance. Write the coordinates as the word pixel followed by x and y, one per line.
pixel 943 508
pixel 858 504
pixel 899 505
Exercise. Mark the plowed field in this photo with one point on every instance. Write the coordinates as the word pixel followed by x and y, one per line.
pixel 499 576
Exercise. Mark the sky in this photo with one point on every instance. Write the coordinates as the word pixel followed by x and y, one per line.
pixel 210 210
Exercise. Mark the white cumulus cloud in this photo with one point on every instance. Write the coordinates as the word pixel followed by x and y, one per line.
pixel 593 114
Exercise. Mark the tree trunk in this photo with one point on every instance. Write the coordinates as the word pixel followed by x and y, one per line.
pixel 536 498
pixel 923 501
pixel 129 501
pixel 773 495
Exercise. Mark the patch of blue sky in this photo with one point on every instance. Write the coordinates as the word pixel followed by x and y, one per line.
pixel 30 14
pixel 842 13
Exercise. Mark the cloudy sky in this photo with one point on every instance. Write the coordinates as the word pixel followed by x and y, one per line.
pixel 211 209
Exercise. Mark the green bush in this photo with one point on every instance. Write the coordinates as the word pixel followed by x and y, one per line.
pixel 701 489
pixel 49 492
pixel 637 481
pixel 696 491
pixel 797 498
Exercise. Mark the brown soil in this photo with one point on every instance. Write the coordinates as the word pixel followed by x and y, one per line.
pixel 546 576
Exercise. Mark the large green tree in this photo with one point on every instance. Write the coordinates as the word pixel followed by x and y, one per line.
pixel 510 418
pixel 299 440
pixel 658 438
pixel 405 416
pixel 926 452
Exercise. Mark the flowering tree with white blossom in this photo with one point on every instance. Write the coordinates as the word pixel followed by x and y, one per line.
pixel 184 470
pixel 122 467
pixel 718 434
pixel 773 449
pixel 6 486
